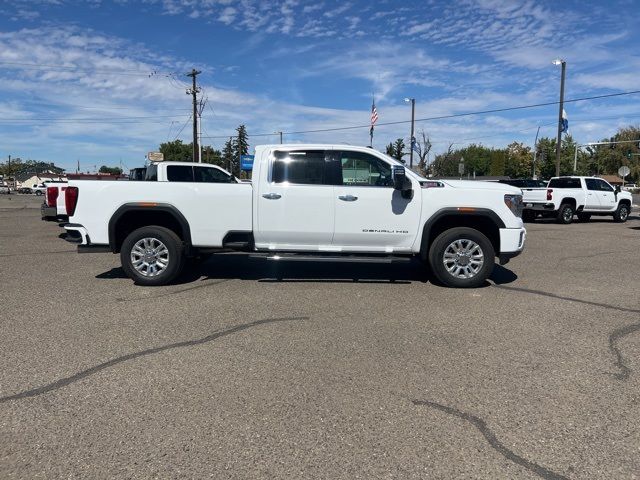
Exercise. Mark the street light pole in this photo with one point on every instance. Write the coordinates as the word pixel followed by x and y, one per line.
pixel 412 139
pixel 559 139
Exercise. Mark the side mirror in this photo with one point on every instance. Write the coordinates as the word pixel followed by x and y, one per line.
pixel 617 189
pixel 401 182
pixel 399 177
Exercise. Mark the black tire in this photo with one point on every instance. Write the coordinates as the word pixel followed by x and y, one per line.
pixel 441 246
pixel 528 216
pixel 622 213
pixel 174 256
pixel 38 193
pixel 565 214
pixel 584 217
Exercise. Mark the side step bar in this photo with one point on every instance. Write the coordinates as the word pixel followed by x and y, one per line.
pixel 304 257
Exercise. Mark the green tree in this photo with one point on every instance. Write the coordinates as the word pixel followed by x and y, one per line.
pixel 519 161
pixel 228 156
pixel 177 151
pixel 211 155
pixel 396 149
pixel 110 170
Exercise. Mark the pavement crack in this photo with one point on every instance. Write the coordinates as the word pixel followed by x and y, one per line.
pixel 482 427
pixel 63 382
pixel 570 299
pixel 614 338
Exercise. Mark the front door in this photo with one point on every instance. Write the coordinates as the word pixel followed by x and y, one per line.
pixel 295 204
pixel 369 214
pixel 607 196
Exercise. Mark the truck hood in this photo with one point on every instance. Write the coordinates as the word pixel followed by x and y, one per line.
pixel 480 185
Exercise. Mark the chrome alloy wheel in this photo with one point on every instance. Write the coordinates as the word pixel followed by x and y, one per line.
pixel 150 257
pixel 567 214
pixel 624 213
pixel 463 258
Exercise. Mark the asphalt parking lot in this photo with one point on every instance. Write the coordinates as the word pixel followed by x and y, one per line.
pixel 249 369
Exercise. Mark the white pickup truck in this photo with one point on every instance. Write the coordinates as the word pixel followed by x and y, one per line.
pixel 53 207
pixel 565 197
pixel 310 202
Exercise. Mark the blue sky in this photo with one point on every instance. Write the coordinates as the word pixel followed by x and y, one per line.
pixel 103 82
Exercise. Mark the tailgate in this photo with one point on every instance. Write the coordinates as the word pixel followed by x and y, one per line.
pixel 534 195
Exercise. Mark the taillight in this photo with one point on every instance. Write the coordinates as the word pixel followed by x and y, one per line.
pixel 52 196
pixel 549 192
pixel 70 200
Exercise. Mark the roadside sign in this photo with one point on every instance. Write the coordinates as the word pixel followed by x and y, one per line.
pixel 624 171
pixel 246 162
pixel 155 156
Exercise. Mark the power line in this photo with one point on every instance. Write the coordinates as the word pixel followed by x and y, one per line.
pixel 61 68
pixel 443 117
pixel 185 124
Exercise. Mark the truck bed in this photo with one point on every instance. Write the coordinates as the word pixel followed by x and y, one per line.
pixel 211 209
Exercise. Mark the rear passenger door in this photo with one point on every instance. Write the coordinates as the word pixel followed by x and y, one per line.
pixel 295 207
pixel 592 201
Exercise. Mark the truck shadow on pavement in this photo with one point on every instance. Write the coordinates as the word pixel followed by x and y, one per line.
pixel 242 267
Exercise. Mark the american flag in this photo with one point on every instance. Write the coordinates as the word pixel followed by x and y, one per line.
pixel 374 114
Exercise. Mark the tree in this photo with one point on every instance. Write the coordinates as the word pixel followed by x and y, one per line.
pixel 519 161
pixel 228 156
pixel 110 170
pixel 177 151
pixel 424 147
pixel 211 155
pixel 396 149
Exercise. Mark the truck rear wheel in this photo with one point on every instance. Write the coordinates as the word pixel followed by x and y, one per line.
pixel 462 257
pixel 622 213
pixel 152 256
pixel 565 213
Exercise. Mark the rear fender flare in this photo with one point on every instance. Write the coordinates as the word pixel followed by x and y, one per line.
pixel 140 207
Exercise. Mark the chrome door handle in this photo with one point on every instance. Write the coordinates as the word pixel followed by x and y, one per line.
pixel 271 196
pixel 348 198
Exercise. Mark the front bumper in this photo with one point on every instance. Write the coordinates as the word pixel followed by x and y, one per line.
pixel 512 242
pixel 48 212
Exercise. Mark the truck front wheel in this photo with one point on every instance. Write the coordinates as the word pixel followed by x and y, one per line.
pixel 152 255
pixel 462 257
pixel 622 213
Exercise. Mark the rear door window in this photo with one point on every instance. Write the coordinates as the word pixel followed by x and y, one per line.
pixel 565 183
pixel 180 173
pixel 302 167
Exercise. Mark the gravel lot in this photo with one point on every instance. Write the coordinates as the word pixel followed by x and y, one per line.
pixel 248 369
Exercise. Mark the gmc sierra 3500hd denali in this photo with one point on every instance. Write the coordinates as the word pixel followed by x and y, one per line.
pixel 323 202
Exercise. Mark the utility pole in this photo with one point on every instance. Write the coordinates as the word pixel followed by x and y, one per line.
pixel 412 140
pixel 194 90
pixel 559 139
pixel 280 133
pixel 535 153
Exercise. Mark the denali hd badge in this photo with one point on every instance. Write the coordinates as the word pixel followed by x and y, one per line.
pixel 382 230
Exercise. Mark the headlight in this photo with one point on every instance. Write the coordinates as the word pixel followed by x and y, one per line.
pixel 514 202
